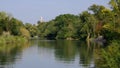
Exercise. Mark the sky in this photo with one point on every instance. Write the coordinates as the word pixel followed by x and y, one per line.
pixel 30 11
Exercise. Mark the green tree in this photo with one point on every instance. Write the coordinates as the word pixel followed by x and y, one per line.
pixel 15 26
pixel 33 30
pixel 10 24
pixel 115 5
pixel 67 25
pixel 24 32
pixel 89 23
pixel 62 27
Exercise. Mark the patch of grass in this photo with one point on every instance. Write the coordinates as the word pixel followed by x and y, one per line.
pixel 12 40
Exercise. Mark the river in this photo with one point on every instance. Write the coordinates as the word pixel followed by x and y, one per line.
pixel 47 54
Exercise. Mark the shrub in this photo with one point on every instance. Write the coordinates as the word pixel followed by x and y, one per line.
pixel 110 56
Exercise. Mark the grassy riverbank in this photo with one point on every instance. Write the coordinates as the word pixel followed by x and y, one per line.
pixel 12 39
pixel 109 57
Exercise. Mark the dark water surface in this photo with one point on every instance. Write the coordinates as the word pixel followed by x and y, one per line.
pixel 47 54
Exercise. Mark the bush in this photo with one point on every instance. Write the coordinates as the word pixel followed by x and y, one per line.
pixel 110 56
pixel 12 40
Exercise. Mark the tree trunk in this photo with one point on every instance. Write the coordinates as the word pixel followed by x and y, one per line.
pixel 88 37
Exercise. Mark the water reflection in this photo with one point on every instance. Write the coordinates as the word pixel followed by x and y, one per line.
pixel 69 51
pixel 86 55
pixel 10 53
pixel 65 50
pixel 47 53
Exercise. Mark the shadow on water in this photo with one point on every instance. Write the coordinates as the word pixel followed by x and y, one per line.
pixel 65 50
pixel 70 51
pixel 76 53
pixel 10 53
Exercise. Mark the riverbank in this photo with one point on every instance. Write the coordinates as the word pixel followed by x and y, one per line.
pixel 12 39
pixel 109 57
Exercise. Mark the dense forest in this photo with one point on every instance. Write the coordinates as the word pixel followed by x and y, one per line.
pixel 12 26
pixel 12 30
pixel 96 21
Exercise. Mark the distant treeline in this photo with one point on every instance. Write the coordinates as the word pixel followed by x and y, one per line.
pixel 96 21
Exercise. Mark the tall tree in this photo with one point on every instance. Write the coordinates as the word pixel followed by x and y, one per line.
pixel 115 5
pixel 89 23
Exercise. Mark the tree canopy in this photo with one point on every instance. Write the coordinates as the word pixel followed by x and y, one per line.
pixel 97 20
pixel 11 25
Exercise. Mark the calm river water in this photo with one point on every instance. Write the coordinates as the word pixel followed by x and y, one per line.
pixel 47 54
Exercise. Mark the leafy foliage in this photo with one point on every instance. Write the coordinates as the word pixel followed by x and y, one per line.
pixel 12 25
pixel 109 57
pixel 98 20
pixel 62 27
pixel 32 29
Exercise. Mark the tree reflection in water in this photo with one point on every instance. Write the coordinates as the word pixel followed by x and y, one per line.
pixel 69 51
pixel 86 54
pixel 60 51
pixel 10 53
pixel 65 50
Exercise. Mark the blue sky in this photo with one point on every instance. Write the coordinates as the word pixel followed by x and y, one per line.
pixel 30 11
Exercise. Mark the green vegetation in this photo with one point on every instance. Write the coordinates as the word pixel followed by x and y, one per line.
pixel 96 21
pixel 12 40
pixel 109 57
pixel 63 27
pixel 12 30
pixel 92 23
pixel 32 29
